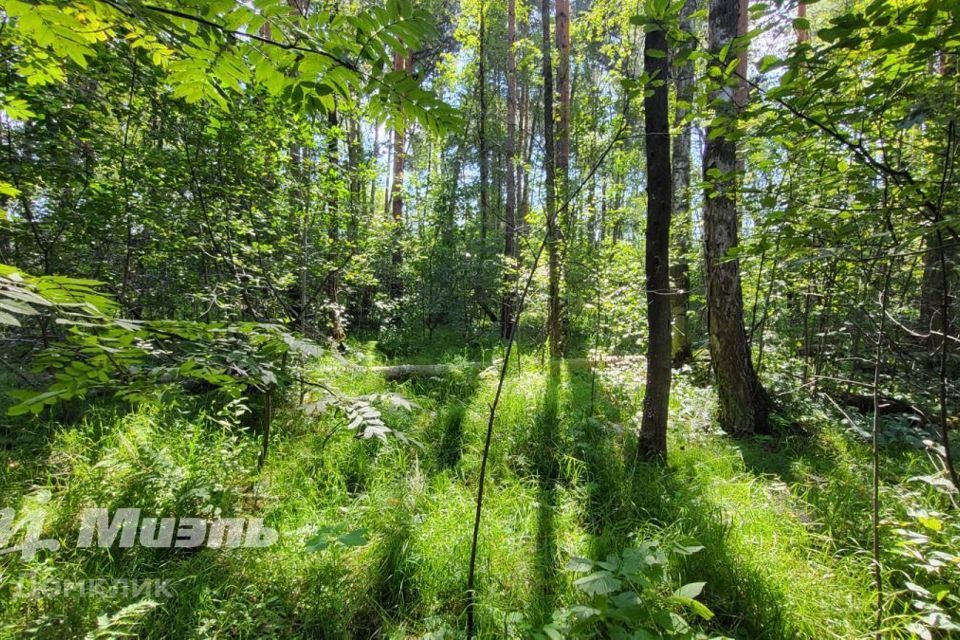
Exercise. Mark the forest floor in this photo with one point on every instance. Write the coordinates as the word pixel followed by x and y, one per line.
pixel 784 521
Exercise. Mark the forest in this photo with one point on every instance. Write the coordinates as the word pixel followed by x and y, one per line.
pixel 479 319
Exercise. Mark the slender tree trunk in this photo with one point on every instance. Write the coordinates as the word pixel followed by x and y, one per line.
pixel 802 34
pixel 401 62
pixel 932 317
pixel 550 185
pixel 357 191
pixel 510 246
pixel 481 262
pixel 877 362
pixel 563 93
pixel 945 297
pixel 680 266
pixel 945 270
pixel 652 442
pixel 337 334
pixel 744 405
pixel 523 177
pixel 743 26
pixel 482 134
pixel 565 227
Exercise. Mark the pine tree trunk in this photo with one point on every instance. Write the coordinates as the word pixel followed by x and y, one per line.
pixel 652 442
pixel 565 226
pixel 510 246
pixel 550 185
pixel 479 284
pixel 744 404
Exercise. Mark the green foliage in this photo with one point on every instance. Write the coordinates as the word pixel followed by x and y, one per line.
pixel 627 597
pixel 217 176
pixel 214 49
pixel 362 417
pixel 73 300
pixel 123 623
pixel 927 546
pixel 132 358
pixel 336 534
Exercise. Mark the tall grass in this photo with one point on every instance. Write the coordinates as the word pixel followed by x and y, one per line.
pixel 781 522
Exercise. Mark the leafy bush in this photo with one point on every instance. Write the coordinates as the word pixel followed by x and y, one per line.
pixel 630 597
pixel 132 358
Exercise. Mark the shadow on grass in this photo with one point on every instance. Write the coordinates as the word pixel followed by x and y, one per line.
pixel 450 445
pixel 836 493
pixel 628 501
pixel 546 440
pixel 446 432
pixel 742 597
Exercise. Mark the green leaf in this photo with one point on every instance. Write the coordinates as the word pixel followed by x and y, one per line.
pixel 579 565
pixel 931 523
pixel 768 62
pixel 598 583
pixel 353 538
pixel 552 632
pixel 894 40
pixel 7 319
pixel 690 590
pixel 696 606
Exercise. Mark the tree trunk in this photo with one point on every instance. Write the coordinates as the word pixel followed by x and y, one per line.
pixel 652 442
pixel 337 334
pixel 744 404
pixel 357 191
pixel 565 227
pixel 743 26
pixel 802 34
pixel 550 184
pixel 482 134
pixel 680 267
pixel 479 288
pixel 932 320
pixel 563 93
pixel 403 63
pixel 510 246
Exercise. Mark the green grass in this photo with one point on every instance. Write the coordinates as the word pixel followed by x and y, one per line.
pixel 784 523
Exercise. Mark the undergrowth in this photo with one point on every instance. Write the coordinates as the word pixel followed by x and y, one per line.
pixel 783 521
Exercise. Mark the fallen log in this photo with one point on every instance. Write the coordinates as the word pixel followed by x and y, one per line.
pixel 407 371
pixel 886 405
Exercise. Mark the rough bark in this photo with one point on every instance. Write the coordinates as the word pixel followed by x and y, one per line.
pixel 680 266
pixel 550 184
pixel 743 26
pixel 563 92
pixel 510 246
pixel 565 224
pixel 744 404
pixel 652 442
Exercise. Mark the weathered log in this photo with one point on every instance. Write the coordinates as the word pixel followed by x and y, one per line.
pixel 406 371
pixel 887 405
